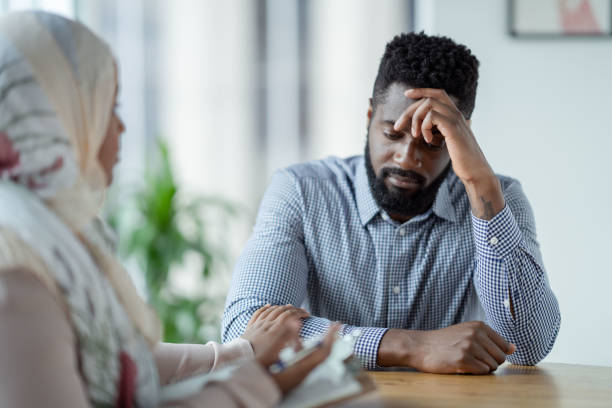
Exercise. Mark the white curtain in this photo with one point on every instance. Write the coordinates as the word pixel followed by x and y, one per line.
pixel 239 88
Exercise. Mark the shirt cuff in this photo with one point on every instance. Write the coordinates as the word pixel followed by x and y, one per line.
pixel 366 346
pixel 498 237
pixel 242 347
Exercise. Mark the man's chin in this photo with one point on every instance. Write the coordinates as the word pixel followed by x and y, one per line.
pixel 401 199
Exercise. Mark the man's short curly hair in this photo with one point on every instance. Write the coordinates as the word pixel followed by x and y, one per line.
pixel 423 61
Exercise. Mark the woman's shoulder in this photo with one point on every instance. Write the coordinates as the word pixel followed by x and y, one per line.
pixel 38 345
pixel 17 257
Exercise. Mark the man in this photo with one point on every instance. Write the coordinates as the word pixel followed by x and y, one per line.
pixel 412 240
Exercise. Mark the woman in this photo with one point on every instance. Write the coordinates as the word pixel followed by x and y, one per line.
pixel 73 331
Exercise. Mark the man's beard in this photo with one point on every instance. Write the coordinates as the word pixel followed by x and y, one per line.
pixel 395 201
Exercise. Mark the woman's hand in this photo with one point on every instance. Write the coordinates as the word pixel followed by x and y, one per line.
pixel 271 329
pixel 293 375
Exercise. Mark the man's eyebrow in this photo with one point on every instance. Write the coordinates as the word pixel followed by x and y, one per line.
pixel 389 122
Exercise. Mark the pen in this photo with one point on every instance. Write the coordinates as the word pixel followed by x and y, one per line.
pixel 280 365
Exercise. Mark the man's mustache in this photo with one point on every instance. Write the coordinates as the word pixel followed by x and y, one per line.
pixel 409 174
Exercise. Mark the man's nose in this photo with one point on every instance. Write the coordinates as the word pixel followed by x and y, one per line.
pixel 406 155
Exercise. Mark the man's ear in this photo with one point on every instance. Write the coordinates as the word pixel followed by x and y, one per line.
pixel 370 113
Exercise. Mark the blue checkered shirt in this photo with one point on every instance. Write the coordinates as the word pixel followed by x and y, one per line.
pixel 320 240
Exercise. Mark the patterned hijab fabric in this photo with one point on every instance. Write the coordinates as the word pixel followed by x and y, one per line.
pixel 58 82
pixel 57 85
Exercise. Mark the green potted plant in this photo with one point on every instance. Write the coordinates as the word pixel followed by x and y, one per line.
pixel 159 226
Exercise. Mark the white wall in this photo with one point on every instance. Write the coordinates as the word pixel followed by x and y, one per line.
pixel 543 115
pixel 347 40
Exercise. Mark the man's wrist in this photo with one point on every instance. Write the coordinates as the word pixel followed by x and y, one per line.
pixel 486 196
pixel 398 348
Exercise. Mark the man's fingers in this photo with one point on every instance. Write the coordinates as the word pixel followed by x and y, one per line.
pixel 473 366
pixel 502 343
pixel 412 118
pixel 419 115
pixel 427 106
pixel 492 348
pixel 427 127
pixel 483 355
pixel 512 349
pixel 405 118
pixel 418 93
pixel 435 119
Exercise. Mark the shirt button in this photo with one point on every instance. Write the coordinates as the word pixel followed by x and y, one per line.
pixel 396 290
pixel 494 241
pixel 506 303
pixel 402 232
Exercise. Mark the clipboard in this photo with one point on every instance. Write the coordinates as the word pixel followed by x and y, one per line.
pixel 337 379
pixel 355 384
pixel 319 391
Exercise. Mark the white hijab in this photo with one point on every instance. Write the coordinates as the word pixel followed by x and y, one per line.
pixel 57 126
pixel 57 84
pixel 67 113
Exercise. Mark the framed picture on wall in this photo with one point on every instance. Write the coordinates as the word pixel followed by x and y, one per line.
pixel 560 18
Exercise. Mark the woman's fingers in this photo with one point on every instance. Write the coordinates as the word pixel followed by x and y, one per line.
pixel 258 313
pixel 285 334
pixel 266 313
pixel 279 310
pixel 294 374
pixel 319 355
pixel 290 314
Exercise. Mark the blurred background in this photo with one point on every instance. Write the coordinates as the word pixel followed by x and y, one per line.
pixel 235 89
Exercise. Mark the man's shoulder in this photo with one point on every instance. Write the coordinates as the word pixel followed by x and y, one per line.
pixel 512 190
pixel 332 169
pixel 507 181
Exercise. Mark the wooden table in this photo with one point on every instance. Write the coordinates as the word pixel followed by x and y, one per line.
pixel 547 385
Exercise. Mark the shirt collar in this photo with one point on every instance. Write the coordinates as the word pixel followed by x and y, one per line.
pixel 366 204
pixel 368 208
pixel 443 204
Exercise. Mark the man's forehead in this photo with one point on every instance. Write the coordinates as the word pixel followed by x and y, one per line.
pixel 395 102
